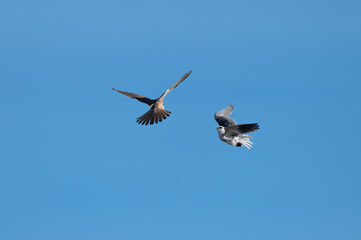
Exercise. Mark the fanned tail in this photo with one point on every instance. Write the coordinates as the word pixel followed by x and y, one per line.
pixel 245 140
pixel 153 116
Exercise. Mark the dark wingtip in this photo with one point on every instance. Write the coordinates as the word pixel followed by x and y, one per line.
pixel 246 128
pixel 254 126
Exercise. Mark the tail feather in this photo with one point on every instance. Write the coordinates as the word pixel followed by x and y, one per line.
pixel 245 140
pixel 144 119
pixel 153 116
pixel 147 119
pixel 164 114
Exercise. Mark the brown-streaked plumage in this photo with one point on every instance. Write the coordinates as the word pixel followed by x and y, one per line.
pixel 157 112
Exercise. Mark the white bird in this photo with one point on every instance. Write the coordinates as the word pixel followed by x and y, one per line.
pixel 231 133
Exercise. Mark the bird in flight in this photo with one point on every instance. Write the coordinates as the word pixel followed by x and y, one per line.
pixel 157 112
pixel 231 133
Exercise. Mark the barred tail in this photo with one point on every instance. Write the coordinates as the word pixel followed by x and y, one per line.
pixel 153 116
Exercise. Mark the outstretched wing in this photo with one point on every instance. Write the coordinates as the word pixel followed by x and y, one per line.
pixel 140 98
pixel 236 130
pixel 176 84
pixel 222 117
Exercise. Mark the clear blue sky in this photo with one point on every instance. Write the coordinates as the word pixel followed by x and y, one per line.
pixel 75 165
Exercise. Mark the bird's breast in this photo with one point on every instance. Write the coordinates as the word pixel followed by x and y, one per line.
pixel 159 104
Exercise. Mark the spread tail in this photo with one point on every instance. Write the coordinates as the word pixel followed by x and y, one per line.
pixel 153 116
pixel 245 140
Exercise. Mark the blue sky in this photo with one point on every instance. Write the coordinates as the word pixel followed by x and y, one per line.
pixel 75 165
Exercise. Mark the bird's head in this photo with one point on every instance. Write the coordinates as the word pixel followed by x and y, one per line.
pixel 221 130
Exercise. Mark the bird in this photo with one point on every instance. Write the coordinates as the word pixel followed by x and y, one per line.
pixel 231 133
pixel 157 112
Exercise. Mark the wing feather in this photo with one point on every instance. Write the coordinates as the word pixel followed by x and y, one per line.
pixel 222 117
pixel 236 130
pixel 140 98
pixel 176 84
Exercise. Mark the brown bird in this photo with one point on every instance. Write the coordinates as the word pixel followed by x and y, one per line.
pixel 157 112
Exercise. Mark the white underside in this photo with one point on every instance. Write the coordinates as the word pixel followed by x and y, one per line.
pixel 243 139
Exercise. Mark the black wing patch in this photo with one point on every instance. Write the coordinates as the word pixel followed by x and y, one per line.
pixel 241 129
